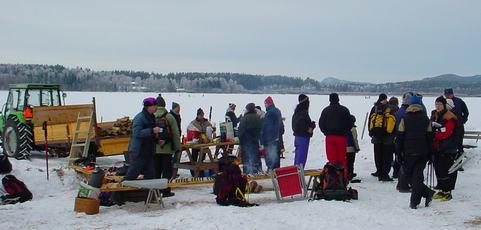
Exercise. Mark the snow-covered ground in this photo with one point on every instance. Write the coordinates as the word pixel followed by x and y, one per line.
pixel 379 206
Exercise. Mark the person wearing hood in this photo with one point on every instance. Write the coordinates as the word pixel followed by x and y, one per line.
pixel 303 128
pixel 168 143
pixel 230 115
pixel 271 126
pixel 445 147
pixel 335 123
pixel 461 111
pixel 413 150
pixel 142 142
pixel 383 141
pixel 250 127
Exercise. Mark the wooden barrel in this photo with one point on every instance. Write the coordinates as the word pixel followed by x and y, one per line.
pixel 86 205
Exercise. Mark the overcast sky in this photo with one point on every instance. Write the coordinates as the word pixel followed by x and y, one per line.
pixel 374 41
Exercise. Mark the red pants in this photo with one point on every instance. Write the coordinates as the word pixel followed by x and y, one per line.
pixel 336 151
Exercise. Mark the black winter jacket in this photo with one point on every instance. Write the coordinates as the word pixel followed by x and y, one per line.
pixel 335 120
pixel 414 136
pixel 301 121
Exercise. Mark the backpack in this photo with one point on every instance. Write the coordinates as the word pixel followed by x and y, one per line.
pixel 16 188
pixel 381 121
pixel 165 132
pixel 230 186
pixel 332 184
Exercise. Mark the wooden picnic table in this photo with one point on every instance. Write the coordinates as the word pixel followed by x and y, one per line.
pixel 221 148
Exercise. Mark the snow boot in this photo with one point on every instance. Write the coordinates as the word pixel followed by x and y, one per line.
pixel 447 196
pixel 439 195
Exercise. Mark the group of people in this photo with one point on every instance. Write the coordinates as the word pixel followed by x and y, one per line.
pixel 404 138
pixel 416 139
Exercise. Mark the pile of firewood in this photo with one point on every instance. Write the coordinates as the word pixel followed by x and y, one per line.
pixel 121 127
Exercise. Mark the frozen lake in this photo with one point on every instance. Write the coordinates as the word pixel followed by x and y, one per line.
pixel 380 206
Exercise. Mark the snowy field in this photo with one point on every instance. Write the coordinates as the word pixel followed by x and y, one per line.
pixel 379 206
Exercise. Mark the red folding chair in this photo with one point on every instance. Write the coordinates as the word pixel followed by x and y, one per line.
pixel 289 183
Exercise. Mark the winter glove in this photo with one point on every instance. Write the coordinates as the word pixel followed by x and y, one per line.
pixel 312 125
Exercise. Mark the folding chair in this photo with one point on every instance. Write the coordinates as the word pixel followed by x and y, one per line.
pixel 289 183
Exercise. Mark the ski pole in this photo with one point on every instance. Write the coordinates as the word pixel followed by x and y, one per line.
pixel 44 127
pixel 364 126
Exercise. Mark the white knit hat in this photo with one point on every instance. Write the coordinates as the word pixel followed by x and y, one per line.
pixel 449 104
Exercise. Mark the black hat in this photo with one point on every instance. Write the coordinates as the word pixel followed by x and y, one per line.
pixel 250 107
pixel 175 105
pixel 200 111
pixel 333 98
pixel 442 100
pixel 382 97
pixel 160 101
pixel 448 91
pixel 302 98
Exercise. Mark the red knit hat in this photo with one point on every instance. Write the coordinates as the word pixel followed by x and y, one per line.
pixel 268 101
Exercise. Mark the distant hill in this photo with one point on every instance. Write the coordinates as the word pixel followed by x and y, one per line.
pixel 83 79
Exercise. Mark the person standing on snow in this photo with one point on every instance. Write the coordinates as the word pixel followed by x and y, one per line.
pixel 168 144
pixel 271 125
pixel 413 150
pixel 461 111
pixel 250 127
pixel 303 128
pixel 142 142
pixel 445 148
pixel 383 140
pixel 335 123
pixel 352 149
pixel 175 111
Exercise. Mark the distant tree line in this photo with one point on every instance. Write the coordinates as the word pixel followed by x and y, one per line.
pixel 84 79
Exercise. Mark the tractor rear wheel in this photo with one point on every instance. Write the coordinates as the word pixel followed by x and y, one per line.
pixel 17 139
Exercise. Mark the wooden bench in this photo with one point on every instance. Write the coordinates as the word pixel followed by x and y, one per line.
pixel 154 186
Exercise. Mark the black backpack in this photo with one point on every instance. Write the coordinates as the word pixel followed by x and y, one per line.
pixel 165 133
pixel 16 188
pixel 332 184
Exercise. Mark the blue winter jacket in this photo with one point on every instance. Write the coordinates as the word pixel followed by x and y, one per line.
pixel 271 125
pixel 142 140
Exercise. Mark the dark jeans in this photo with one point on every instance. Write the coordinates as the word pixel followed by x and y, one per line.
pixel 195 157
pixel 402 182
pixel 442 163
pixel 414 171
pixel 140 164
pixel 351 157
pixel 163 167
pixel 272 155
pixel 251 162
pixel 383 156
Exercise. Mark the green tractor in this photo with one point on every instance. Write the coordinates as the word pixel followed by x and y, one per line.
pixel 16 118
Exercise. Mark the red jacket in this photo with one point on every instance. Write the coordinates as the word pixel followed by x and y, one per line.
pixel 446 132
